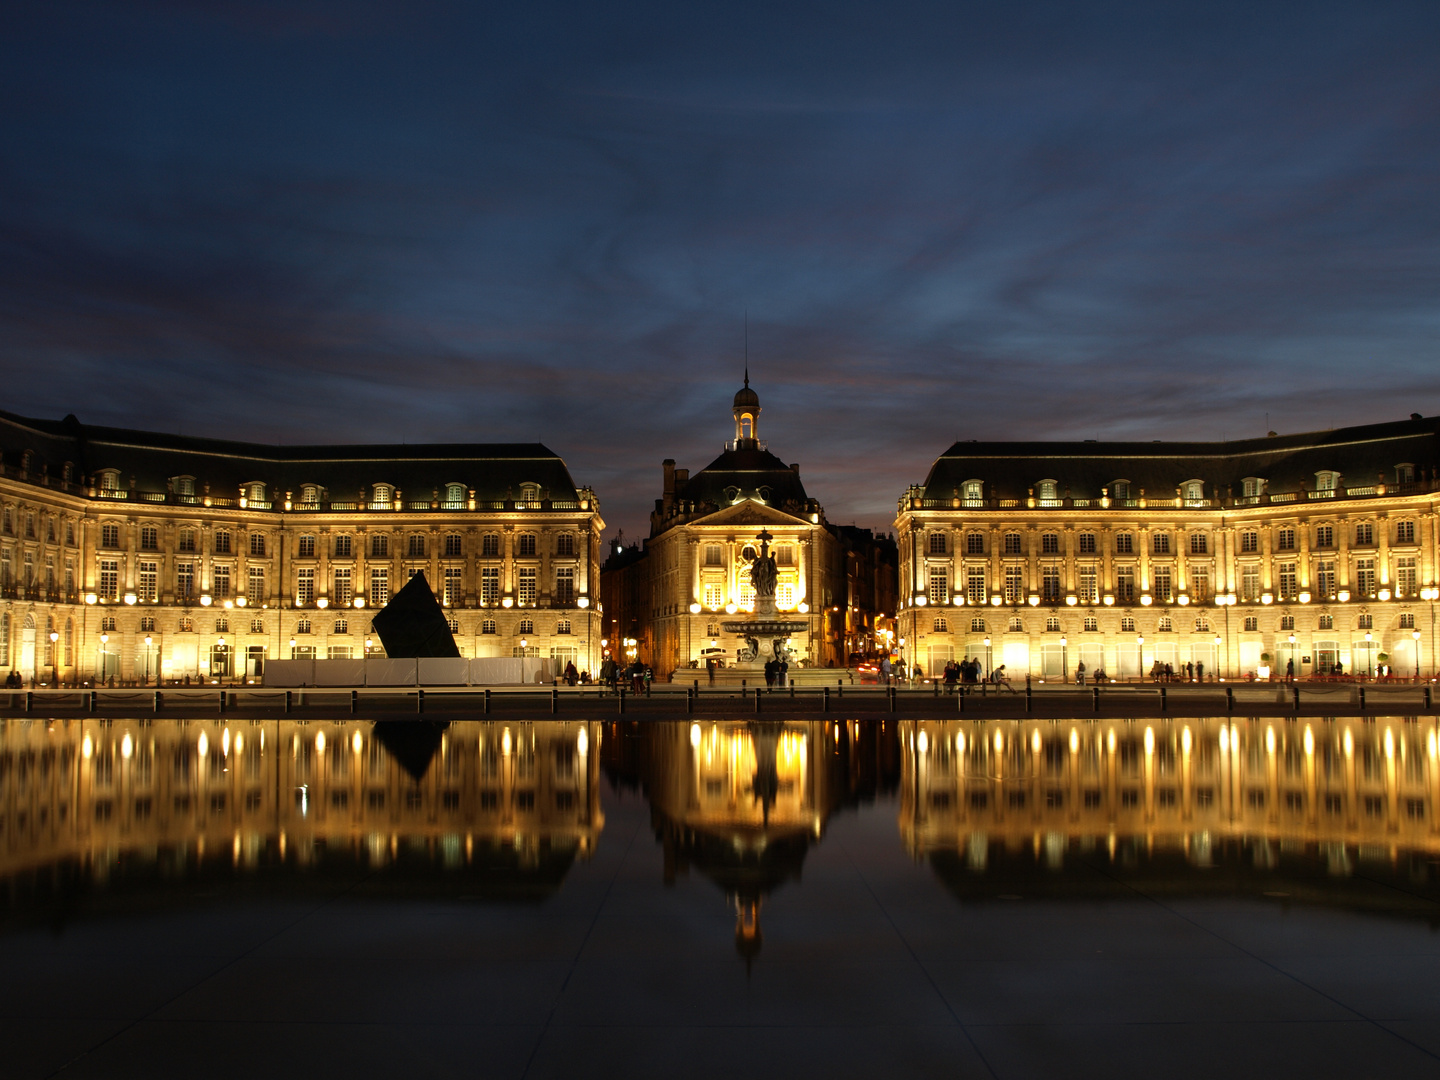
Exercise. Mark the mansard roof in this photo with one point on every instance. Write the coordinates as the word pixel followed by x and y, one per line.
pixel 745 472
pixel 1362 455
pixel 494 470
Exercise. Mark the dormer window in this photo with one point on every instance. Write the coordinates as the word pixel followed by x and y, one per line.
pixel 1193 491
pixel 255 493
pixel 732 494
pixel 1045 489
pixel 183 485
pixel 1120 489
pixel 310 493
pixel 764 493
pixel 1405 473
pixel 109 479
pixel 380 496
pixel 1251 487
pixel 973 492
pixel 1326 480
pixel 529 493
pixel 454 496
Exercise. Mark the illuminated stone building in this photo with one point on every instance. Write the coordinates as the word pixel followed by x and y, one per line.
pixel 693 573
pixel 515 804
pixel 152 555
pixel 1317 549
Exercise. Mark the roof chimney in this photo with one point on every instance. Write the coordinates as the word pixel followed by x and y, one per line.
pixel 795 467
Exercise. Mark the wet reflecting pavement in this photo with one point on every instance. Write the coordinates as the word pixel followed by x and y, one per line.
pixel 814 898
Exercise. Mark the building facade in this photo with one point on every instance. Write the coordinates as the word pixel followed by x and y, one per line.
pixel 136 556
pixel 1312 554
pixel 673 595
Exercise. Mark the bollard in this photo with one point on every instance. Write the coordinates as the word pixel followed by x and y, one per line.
pixel 554 700
pixel 1095 691
pixel 29 700
pixel 354 701
pixel 1427 698
pixel 757 699
pixel 222 700
pixel 892 698
pixel 936 684
pixel 419 701
pixel 94 702
pixel 1362 699
pixel 620 698
pixel 487 702
pixel 960 697
pixel 697 686
pixel 1163 706
pixel 690 697
pixel 1229 699
pixel 1029 698
pixel 289 700
pixel 839 687
pixel 1295 692
pixel 792 691
pixel 158 701
pixel 825 698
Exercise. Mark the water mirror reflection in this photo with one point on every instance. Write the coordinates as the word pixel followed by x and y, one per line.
pixel 945 885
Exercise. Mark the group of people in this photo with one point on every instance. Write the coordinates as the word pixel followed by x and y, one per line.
pixel 638 675
pixel 1187 672
pixel 777 671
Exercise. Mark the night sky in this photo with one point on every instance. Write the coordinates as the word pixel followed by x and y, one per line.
pixel 342 221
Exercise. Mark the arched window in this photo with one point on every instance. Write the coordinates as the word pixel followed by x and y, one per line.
pixel 184 485
pixel 526 626
pixel 530 493
pixel 1045 489
pixel 255 492
pixel 1193 491
pixel 380 496
pixel 747 423
pixel 941 626
pixel 1120 489
pixel 310 493
pixel 973 492
pixel 454 496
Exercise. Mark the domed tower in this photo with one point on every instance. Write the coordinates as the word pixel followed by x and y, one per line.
pixel 747 417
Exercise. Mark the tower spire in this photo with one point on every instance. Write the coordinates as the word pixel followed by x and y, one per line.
pixel 747 346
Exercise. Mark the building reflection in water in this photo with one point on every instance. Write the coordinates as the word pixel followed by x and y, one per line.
pixel 1313 799
pixel 93 806
pixel 742 802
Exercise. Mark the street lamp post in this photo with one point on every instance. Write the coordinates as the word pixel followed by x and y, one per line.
pixel 989 660
pixel 104 639
pixel 1140 652
pixel 1415 636
pixel 1217 649
pixel 1064 660
pixel 1369 654
pixel 54 658
pixel 148 641
pixel 1290 672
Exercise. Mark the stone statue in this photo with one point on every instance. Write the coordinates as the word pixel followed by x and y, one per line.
pixel 762 570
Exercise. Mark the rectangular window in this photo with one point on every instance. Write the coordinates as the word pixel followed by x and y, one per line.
pixel 490 585
pixel 109 579
pixel 490 546
pixel 1405 532
pixel 257 544
pixel 1285 540
pixel 1199 544
pixel 185 580
pixel 342 593
pixel 454 545
pixel 305 585
pixel 1324 536
pixel 1050 543
pixel 785 595
pixel 1325 580
pixel 255 585
pixel 1163 588
pixel 1160 543
pixel 222 542
pixel 416 548
pixel 939 592
pixel 1287 622
pixel 1127 624
pixel 1087 543
pixel 1364 534
pixel 714 595
pixel 221 575
pixel 1014 585
pixel 1125 584
pixel 1012 543
pixel 937 543
pixel 1086 590
pixel 714 555
pixel 302 626
pixel 379 585
pixel 1252 623
pixel 1407 620
pixel 1124 543
pixel 527 591
pixel 975 584
pixel 344 547
pixel 1365 622
pixel 1050 584
pixel 1249 541
pixel 526 545
pixel 1289 588
pixel 975 543
pixel 148 582
pixel 109 535
pixel 149 538
pixel 454 586
pixel 1250 582
pixel 1365 577
pixel 339 652
pixel 565 585
pixel 1406 578
pixel 305 547
pixel 379 547
pixel 1200 583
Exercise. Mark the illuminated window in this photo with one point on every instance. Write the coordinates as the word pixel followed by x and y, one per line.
pixel 714 595
pixel 1249 541
pixel 255 585
pixel 714 556
pixel 490 546
pixel 525 626
pixel 342 626
pixel 977 626
pixel 1407 620
pixel 1127 624
pixel 1365 577
pixel 487 626
pixel 527 586
pixel 380 496
pixel 1091 623
pixel 1052 625
pixel 1365 622
pixel 109 535
pixel 1327 622
pixel 1014 585
pixel 1050 584
pixel 526 544
pixel 937 543
pixel 975 584
pixel 220 577
pixel 148 582
pixel 939 592
pixel 1016 625
pixel 563 626
pixel 149 538
pixel 1050 543
pixel 490 585
pixel 565 544
pixel 1252 623
pixel 1250 582
pixel 1406 578
pixel 1125 584
pixel 1202 625
pixel 1289 588
pixel 454 587
pixel 257 626
pixel 1012 543
pixel 455 497
pixel 565 585
pixel 342 594
pixel 379 585
pixel 1199 544
pixel 1165 625
pixel 1324 536
pixel 941 626
pixel 302 626
pixel 184 580
pixel 975 543
pixel 1086 588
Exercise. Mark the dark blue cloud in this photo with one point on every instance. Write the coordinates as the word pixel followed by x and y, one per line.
pixel 363 221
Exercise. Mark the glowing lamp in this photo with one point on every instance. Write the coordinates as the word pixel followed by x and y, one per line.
pixel 323 603
pixel 1109 600
pixel 694 609
pixel 130 598
pixel 1182 600
pixel 91 598
pixel 996 600
pixel 1146 600
pixel 1343 596
pixel 508 601
pixel 921 601
pixel 802 607
pixel 1072 600
pixel 240 601
pixel 359 601
pixel 1034 601
pixel 1384 594
pixel 584 603
pixel 205 600
pixel 1304 598
pixel 1266 598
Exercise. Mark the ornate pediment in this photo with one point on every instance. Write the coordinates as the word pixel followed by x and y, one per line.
pixel 750 512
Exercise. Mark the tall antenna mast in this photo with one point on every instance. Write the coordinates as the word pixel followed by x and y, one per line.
pixel 747 346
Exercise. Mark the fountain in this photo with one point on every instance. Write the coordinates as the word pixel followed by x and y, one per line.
pixel 764 632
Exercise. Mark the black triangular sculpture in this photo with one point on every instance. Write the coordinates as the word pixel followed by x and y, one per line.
pixel 413 743
pixel 413 623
